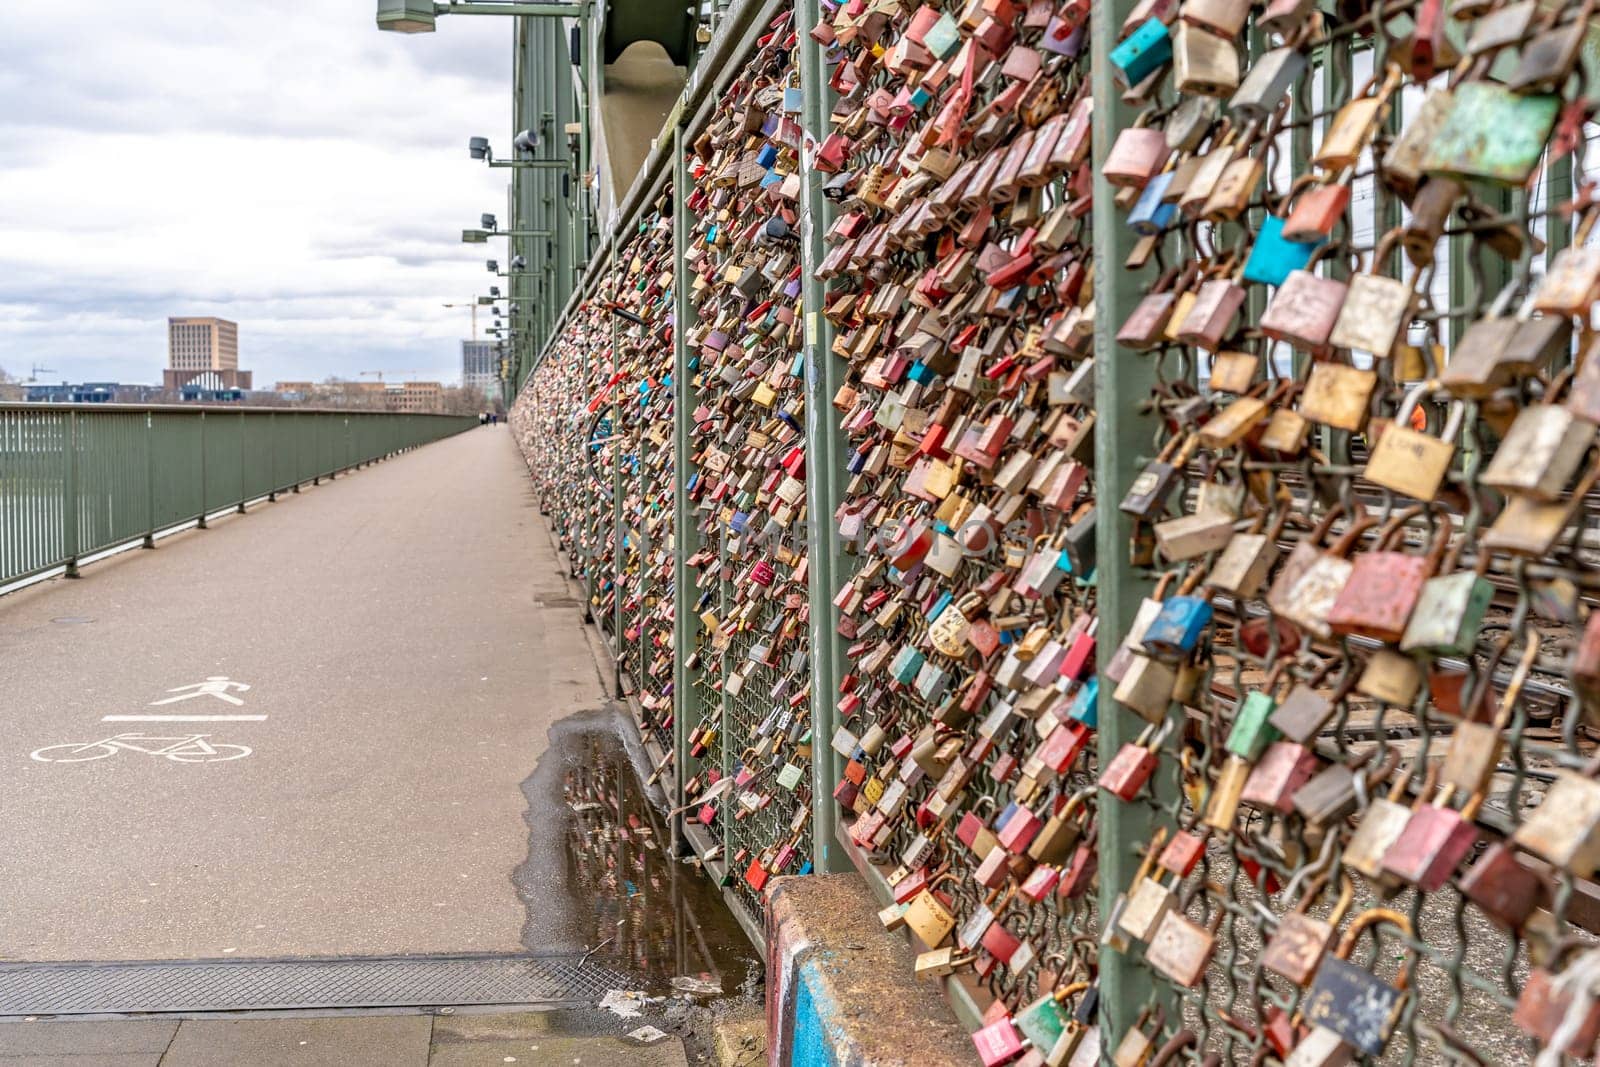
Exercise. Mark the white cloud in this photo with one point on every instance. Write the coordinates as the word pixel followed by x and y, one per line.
pixel 277 162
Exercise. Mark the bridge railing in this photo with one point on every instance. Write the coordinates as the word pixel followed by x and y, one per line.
pixel 76 481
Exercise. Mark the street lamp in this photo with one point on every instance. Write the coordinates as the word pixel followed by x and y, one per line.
pixel 526 141
pixel 421 16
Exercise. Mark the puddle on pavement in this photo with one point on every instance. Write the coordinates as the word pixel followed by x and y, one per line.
pixel 600 867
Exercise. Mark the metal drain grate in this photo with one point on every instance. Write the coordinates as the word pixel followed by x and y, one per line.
pixel 246 985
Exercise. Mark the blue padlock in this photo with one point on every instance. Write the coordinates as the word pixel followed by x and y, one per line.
pixel 921 373
pixel 1085 706
pixel 941 602
pixel 1142 53
pixel 1177 629
pixel 1149 215
pixel 907 662
pixel 740 522
pixel 767 156
pixel 1273 257
pixel 793 99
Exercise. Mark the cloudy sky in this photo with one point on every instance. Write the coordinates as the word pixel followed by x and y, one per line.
pixel 281 163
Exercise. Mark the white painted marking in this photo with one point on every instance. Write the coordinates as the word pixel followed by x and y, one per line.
pixel 182 718
pixel 215 686
pixel 191 748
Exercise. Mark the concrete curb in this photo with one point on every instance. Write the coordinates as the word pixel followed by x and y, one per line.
pixel 840 988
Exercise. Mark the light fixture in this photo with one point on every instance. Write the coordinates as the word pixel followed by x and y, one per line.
pixel 526 141
pixel 487 222
pixel 494 290
pixel 493 266
pixel 474 237
pixel 478 147
pixel 406 16
pixel 517 262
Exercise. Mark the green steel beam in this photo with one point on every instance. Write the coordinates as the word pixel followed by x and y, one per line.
pixel 540 11
pixel 533 164
pixel 687 707
pixel 825 449
pixel 1124 432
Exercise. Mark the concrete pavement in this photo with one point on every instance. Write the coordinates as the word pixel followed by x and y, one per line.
pixel 405 634
pixel 395 1040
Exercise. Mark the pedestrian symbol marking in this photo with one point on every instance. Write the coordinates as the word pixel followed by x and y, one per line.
pixel 182 718
pixel 215 686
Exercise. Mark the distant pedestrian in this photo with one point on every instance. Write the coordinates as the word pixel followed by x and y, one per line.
pixel 483 418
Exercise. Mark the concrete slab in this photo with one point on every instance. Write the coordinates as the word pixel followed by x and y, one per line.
pixel 63 1037
pixel 546 1049
pixel 740 1037
pixel 640 88
pixel 393 629
pixel 354 1041
pixel 148 1059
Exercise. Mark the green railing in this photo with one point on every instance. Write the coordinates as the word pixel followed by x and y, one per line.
pixel 80 480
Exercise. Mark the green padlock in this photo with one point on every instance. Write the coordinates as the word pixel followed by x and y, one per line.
pixel 1042 1022
pixel 1251 732
pixel 1492 134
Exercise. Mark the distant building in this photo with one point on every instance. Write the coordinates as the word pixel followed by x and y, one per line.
pixel 204 352
pixel 416 397
pixel 91 393
pixel 480 368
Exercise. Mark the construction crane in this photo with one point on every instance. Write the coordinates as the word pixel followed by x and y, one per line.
pixel 36 370
pixel 411 372
pixel 474 307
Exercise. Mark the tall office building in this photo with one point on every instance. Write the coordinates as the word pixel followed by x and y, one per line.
pixel 203 349
pixel 479 367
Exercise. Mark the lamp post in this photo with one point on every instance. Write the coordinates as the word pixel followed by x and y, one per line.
pixel 478 148
pixel 546 102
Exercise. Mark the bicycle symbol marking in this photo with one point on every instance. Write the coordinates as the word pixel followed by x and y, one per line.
pixel 189 748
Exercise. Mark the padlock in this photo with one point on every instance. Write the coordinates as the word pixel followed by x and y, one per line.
pixel 1134 763
pixel 1203 63
pixel 1141 1039
pixel 1491 134
pixel 1506 890
pixel 1242 566
pixel 1376 310
pixel 1540 455
pixel 1544 1009
pixel 1297 946
pixel 1275 779
pixel 1380 824
pixel 1266 83
pixel 1384 584
pixel 1181 949
pixel 1320 579
pixel 1434 842
pixel 1338 395
pixel 1565 828
pixel 1251 732
pixel 1352 1002
pixel 1409 461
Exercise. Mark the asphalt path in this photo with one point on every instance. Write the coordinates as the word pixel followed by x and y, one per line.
pixel 408 639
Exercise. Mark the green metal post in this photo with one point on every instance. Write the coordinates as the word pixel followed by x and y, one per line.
pixel 150 480
pixel 824 456
pixel 1123 433
pixel 202 523
pixel 685 694
pixel 617 526
pixel 69 497
pixel 243 492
